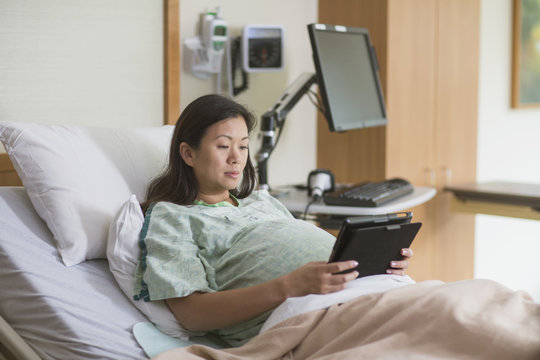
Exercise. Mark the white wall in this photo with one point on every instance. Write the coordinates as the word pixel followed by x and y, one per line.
pixel 508 149
pixel 295 154
pixel 82 62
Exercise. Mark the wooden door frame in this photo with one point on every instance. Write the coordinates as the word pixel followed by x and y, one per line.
pixel 171 57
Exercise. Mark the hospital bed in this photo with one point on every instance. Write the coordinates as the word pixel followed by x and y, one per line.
pixel 65 274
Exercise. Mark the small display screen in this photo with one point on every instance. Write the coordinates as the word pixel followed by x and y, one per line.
pixel 220 30
pixel 265 53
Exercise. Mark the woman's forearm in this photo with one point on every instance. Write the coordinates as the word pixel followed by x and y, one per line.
pixel 208 311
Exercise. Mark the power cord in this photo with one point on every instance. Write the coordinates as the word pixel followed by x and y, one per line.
pixel 236 65
pixel 316 102
pixel 308 206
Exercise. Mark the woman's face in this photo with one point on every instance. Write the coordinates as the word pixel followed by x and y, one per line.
pixel 219 161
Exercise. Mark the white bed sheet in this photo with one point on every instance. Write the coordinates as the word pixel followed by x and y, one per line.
pixel 62 312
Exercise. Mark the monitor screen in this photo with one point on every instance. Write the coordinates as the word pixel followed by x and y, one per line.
pixel 347 74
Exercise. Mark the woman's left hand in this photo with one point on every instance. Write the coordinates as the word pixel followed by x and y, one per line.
pixel 398 267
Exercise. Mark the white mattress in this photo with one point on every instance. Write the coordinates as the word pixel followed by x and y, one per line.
pixel 62 312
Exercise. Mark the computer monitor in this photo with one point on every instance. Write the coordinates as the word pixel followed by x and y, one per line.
pixel 347 76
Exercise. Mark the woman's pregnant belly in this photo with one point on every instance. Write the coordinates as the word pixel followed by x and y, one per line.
pixel 269 250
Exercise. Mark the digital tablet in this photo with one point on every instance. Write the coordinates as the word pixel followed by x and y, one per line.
pixel 374 242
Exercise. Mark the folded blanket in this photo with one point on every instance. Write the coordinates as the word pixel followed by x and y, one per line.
pixel 472 319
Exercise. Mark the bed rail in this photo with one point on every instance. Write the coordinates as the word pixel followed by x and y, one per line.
pixel 12 346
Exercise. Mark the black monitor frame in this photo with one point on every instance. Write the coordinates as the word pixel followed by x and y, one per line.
pixel 325 59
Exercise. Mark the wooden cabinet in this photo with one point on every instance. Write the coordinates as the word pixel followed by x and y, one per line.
pixel 428 54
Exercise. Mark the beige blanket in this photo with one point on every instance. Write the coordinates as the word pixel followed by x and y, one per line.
pixel 473 319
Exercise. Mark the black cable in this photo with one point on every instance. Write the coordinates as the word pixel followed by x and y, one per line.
pixel 277 138
pixel 318 103
pixel 236 63
pixel 271 150
pixel 308 205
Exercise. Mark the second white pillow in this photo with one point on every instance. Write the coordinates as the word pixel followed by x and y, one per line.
pixel 123 254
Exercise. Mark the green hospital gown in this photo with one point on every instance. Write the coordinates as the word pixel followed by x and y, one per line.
pixel 210 248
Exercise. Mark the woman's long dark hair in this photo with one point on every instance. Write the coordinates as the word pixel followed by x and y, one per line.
pixel 177 183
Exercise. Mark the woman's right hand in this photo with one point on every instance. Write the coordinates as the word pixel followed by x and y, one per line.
pixel 319 278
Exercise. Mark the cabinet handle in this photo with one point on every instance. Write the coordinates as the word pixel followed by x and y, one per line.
pixel 447 172
pixel 430 176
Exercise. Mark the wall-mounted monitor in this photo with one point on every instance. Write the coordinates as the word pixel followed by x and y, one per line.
pixel 347 75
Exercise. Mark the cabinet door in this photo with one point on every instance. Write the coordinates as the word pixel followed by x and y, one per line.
pixel 456 131
pixel 411 102
pixel 457 91
pixel 411 93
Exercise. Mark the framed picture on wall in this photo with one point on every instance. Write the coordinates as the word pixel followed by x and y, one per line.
pixel 526 54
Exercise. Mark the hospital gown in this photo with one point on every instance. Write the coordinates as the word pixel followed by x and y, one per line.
pixel 208 248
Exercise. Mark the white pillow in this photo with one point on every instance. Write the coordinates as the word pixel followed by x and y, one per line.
pixel 123 254
pixel 78 177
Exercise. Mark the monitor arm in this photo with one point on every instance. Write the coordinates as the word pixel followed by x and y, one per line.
pixel 274 118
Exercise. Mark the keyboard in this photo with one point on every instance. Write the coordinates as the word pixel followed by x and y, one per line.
pixel 370 194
